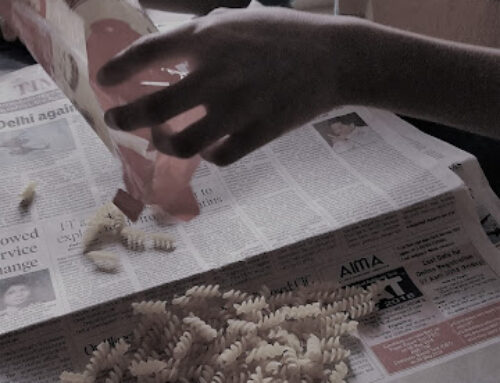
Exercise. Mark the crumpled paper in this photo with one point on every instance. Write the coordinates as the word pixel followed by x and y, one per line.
pixel 72 39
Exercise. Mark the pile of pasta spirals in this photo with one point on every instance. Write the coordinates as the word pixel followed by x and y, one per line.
pixel 213 336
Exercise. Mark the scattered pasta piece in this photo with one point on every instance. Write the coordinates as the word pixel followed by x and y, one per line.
pixel 203 330
pixel 235 296
pixel 183 345
pixel 108 220
pixel 361 309
pixel 105 260
pixel 210 291
pixel 28 194
pixel 134 239
pixel 149 308
pixel 211 336
pixel 162 241
pixel 148 367
pixel 109 215
pixel 251 305
pixel 338 374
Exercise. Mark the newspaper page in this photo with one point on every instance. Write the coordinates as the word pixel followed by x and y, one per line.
pixel 347 197
pixel 464 164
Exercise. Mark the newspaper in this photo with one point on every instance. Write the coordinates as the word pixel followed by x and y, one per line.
pixel 356 195
pixel 462 163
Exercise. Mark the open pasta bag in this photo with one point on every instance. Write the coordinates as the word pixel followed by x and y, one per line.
pixel 72 40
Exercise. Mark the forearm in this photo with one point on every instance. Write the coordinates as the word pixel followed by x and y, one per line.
pixel 197 7
pixel 433 79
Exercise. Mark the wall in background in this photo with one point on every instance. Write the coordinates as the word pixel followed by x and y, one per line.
pixel 470 21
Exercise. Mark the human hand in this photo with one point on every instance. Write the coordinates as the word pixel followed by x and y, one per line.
pixel 259 73
pixel 6 31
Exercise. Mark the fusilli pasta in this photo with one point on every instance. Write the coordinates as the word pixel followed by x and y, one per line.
pixel 236 337
pixel 110 221
pixel 183 345
pixel 104 260
pixel 204 331
pixel 28 194
pixel 162 241
pixel 134 239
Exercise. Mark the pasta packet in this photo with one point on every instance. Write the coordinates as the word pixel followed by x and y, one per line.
pixel 72 39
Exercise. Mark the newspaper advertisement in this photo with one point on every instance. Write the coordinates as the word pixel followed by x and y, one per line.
pixel 354 196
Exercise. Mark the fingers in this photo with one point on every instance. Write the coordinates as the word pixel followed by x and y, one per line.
pixel 156 108
pixel 143 52
pixel 224 117
pixel 191 140
pixel 240 144
pixel 6 31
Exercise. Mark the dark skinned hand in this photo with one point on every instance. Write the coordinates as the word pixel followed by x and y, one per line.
pixel 259 73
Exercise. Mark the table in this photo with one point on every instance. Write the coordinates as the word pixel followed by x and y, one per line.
pixel 13 56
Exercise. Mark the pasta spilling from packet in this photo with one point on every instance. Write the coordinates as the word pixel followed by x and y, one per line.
pixel 212 336
pixel 72 40
pixel 110 222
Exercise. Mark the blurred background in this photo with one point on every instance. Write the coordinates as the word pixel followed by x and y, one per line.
pixel 471 21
